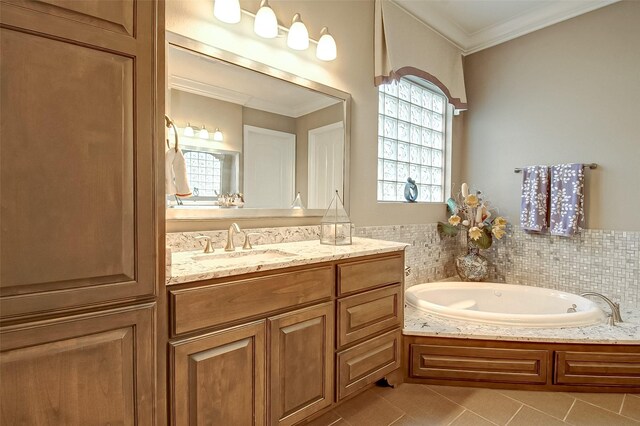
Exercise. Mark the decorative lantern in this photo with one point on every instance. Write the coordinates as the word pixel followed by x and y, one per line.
pixel 335 228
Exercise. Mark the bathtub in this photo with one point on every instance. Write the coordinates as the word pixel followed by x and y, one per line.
pixel 504 304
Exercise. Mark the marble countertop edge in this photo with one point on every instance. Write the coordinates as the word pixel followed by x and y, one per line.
pixel 185 269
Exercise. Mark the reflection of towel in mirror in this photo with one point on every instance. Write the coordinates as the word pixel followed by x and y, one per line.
pixel 175 171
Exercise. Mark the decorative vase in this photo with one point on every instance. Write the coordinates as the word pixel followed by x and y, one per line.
pixel 472 266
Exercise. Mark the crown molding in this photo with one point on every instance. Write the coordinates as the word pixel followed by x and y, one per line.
pixel 530 21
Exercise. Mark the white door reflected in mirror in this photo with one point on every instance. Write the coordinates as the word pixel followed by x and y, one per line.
pixel 326 168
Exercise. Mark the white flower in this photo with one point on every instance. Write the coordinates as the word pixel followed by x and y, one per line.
pixel 475 233
pixel 472 200
pixel 454 220
pixel 498 232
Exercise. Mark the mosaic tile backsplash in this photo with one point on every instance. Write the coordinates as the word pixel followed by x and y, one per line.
pixel 606 262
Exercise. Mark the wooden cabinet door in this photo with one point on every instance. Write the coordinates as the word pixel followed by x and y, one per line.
pixel 80 370
pixel 300 363
pixel 79 118
pixel 219 378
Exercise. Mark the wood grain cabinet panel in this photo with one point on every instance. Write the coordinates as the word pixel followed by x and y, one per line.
pixel 365 314
pixel 79 370
pixel 76 154
pixel 368 362
pixel 219 378
pixel 301 363
pixel 597 368
pixel 479 364
pixel 208 306
pixel 365 274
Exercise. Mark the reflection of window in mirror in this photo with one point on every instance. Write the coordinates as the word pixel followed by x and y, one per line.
pixel 413 121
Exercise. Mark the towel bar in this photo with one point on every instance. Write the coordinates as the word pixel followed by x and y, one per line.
pixel 591 166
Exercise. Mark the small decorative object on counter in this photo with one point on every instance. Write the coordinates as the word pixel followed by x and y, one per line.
pixel 411 190
pixel 335 228
pixel 297 202
pixel 472 213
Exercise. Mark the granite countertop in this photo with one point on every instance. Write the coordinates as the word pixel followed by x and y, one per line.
pixel 184 268
pixel 418 323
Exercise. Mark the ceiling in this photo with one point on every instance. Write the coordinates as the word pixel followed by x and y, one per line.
pixel 474 25
pixel 206 76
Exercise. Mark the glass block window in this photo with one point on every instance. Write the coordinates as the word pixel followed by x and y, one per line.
pixel 203 172
pixel 411 140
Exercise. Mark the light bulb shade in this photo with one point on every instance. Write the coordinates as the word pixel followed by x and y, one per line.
pixel 188 131
pixel 217 135
pixel 266 23
pixel 203 133
pixel 298 38
pixel 326 50
pixel 227 11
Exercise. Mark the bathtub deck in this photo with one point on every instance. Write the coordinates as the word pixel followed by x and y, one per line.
pixel 418 323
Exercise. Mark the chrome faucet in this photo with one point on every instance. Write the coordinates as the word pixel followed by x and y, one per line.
pixel 233 229
pixel 615 307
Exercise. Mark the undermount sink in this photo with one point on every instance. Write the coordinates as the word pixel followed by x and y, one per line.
pixel 242 257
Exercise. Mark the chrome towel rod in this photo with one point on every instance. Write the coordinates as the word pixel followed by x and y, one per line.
pixel 591 166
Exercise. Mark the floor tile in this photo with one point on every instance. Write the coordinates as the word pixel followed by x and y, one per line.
pixel 553 403
pixel 530 417
pixel 468 418
pixel 631 407
pixel 608 401
pixel 488 403
pixel 423 404
pixel 330 418
pixel 368 409
pixel 407 421
pixel 584 414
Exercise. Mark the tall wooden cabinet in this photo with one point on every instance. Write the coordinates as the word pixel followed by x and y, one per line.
pixel 80 216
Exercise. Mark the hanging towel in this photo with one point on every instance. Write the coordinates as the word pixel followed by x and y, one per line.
pixel 175 171
pixel 535 198
pixel 567 199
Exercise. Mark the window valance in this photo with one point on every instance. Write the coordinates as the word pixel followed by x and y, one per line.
pixel 406 46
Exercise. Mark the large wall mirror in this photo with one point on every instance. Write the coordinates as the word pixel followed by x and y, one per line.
pixel 252 130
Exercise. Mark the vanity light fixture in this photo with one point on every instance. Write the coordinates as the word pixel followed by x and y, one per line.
pixel 203 133
pixel 266 23
pixel 326 50
pixel 217 135
pixel 298 38
pixel 188 131
pixel 227 11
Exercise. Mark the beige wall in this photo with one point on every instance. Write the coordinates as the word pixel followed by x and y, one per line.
pixel 567 93
pixel 351 23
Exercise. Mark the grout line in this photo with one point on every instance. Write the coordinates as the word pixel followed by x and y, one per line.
pixel 398 419
pixel 624 399
pixel 564 419
pixel 457 417
pixel 514 414
pixel 466 408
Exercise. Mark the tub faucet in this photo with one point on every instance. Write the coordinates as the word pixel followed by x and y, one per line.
pixel 615 307
pixel 233 229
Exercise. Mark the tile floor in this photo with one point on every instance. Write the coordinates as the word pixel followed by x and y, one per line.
pixel 422 405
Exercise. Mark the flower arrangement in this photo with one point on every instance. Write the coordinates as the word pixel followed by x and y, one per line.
pixel 473 214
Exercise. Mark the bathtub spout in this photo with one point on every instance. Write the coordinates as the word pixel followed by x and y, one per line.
pixel 615 307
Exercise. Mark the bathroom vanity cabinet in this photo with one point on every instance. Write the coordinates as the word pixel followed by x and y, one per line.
pixel 280 346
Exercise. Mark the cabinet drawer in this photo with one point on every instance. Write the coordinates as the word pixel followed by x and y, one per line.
pixel 201 307
pixel 597 368
pixel 365 314
pixel 358 276
pixel 479 364
pixel 368 362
